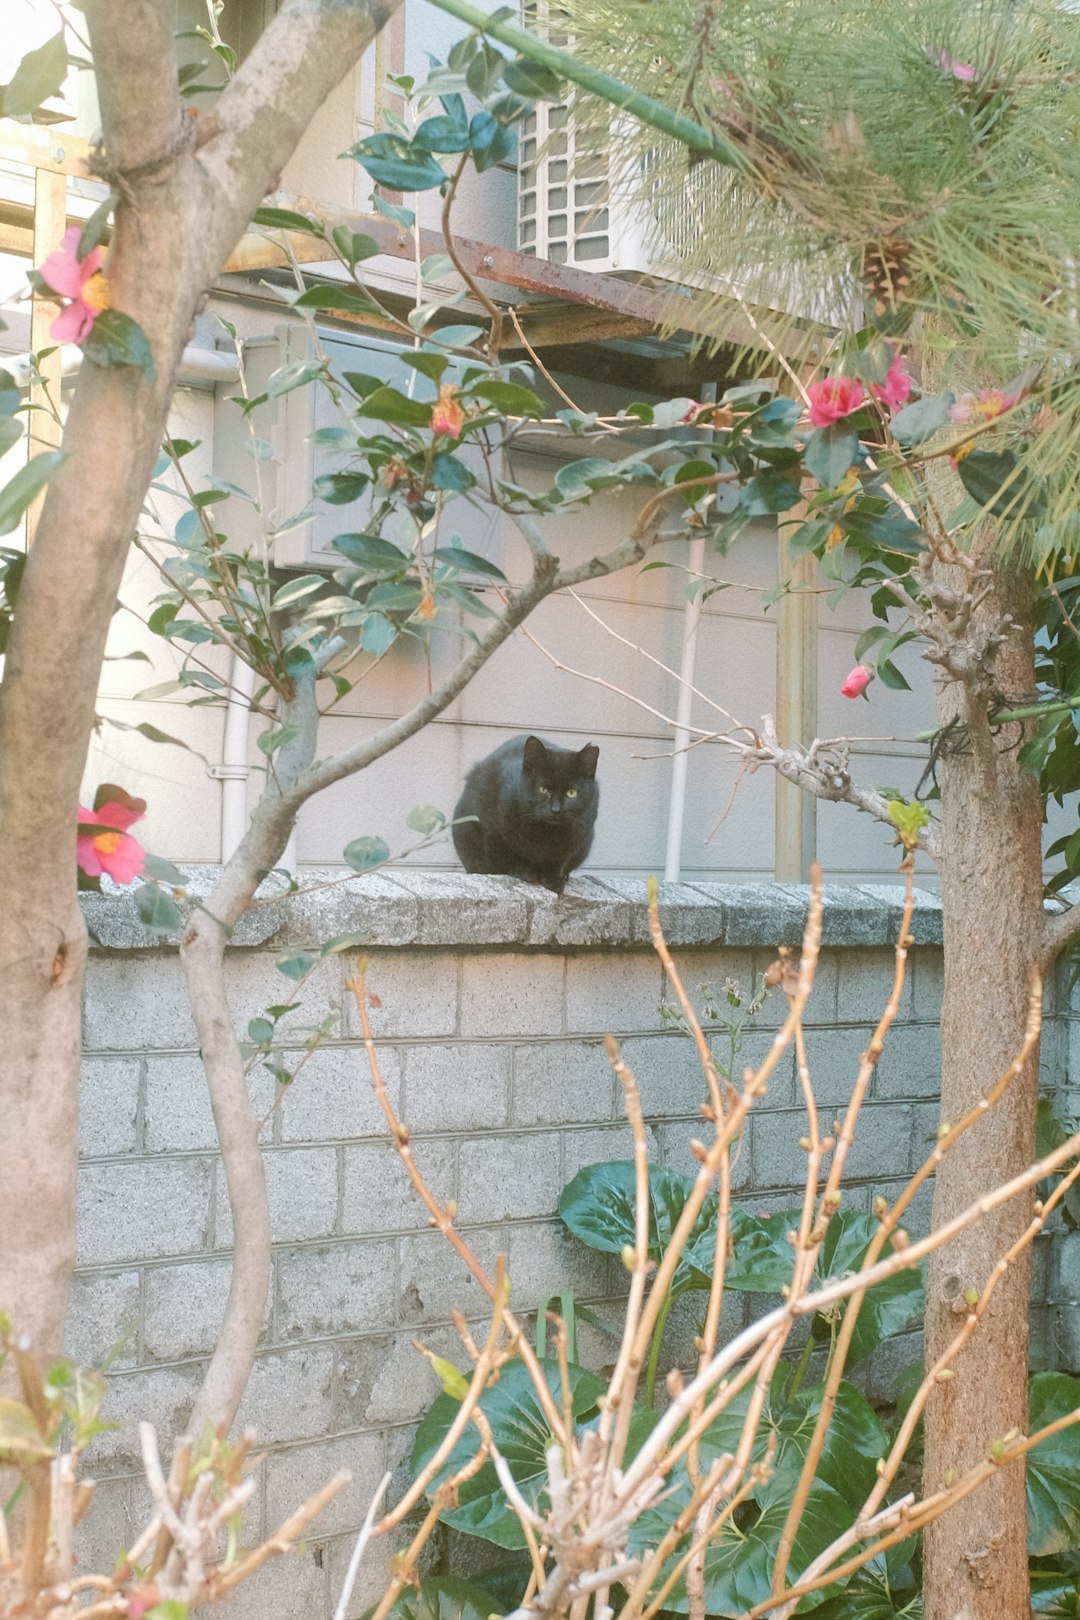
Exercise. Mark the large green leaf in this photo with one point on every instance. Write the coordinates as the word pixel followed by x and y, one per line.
pixel 39 75
pixel 764 1262
pixel 521 1433
pixel 599 1208
pixel 116 340
pixel 398 164
pixel 17 494
pixel 1053 1469
pixel 739 1564
pixel 441 1597
pixel 829 452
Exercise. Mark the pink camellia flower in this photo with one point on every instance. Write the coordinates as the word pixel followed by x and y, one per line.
pixel 959 70
pixel 834 398
pixel 988 403
pixel 447 415
pixel 82 282
pixel 114 851
pixel 896 389
pixel 857 681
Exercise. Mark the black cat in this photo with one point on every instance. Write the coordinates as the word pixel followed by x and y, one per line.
pixel 536 809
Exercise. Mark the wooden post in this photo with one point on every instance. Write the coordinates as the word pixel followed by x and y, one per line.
pixel 796 711
pixel 50 219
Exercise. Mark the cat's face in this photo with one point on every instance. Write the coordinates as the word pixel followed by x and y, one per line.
pixel 558 784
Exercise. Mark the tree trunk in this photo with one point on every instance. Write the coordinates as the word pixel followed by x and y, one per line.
pixel 976 1554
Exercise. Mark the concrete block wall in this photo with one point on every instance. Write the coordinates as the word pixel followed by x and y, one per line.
pixel 494 998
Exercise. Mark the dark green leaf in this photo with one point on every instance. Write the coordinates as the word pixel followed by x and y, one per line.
pixel 295 590
pixel 442 134
pixel 830 452
pixel 998 481
pixel 29 481
pixel 444 1597
pixel 391 405
pixel 491 142
pixel 327 296
pixel 598 1206
pixel 294 375
pixel 432 365
pixel 295 964
pixel 890 529
pixel 1053 1468
pixel 398 164
pixel 531 80
pixel 340 488
pixel 116 340
pixel 691 470
pixel 158 911
pixel 39 75
pixel 769 492
pixel 93 232
pixel 920 421
pixel 287 219
pixel 276 737
pixel 449 472
pixel 458 557
pixel 522 1435
pixel 508 397
pixel 371 553
pixel 354 246
pixel 890 676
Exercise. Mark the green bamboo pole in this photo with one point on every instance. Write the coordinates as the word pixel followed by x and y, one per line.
pixel 600 84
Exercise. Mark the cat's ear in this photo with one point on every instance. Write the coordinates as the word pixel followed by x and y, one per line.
pixel 534 754
pixel 588 757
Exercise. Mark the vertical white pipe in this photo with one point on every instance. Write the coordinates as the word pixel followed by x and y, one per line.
pixel 683 710
pixel 234 763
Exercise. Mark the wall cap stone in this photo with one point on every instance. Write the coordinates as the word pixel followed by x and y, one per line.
pixel 410 907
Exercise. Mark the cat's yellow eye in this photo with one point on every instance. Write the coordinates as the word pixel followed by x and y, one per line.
pixel 571 793
pixel 540 788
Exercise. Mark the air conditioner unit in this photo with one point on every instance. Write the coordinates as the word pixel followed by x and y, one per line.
pixel 582 203
pixel 289 433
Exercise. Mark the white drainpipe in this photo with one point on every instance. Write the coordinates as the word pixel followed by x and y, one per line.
pixel 684 707
pixel 233 770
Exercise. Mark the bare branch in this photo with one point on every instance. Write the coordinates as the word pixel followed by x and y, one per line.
pixel 132 43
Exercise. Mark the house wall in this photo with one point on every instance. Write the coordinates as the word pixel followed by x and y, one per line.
pixel 493 1001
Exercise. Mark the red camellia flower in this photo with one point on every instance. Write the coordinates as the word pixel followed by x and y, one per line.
pixel 896 389
pixel 834 398
pixel 81 281
pixel 110 848
pixel 857 681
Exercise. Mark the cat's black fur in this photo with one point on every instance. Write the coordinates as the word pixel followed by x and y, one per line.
pixel 535 806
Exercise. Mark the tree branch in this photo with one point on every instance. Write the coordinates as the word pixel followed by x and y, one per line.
pixel 292 68
pixel 1058 934
pixel 142 120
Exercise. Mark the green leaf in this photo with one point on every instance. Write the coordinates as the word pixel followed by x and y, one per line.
pixel 261 1031
pixel 1001 484
pixel 29 481
pixel 532 81
pixel 458 557
pixel 39 75
pixel 295 964
pixel 1053 1468
pixel 764 1262
pixel 449 472
pixel 287 219
pixel 163 871
pixel 432 365
pixel 377 634
pixel 354 246
pixel 116 340
pixel 158 911
pixel 10 432
pixel 443 1597
pixel 456 337
pixel 398 164
pixel 889 528
pixel 769 492
pixel 443 134
pixel 424 818
pixel 295 590
pixel 598 1206
pixel 391 405
pixel 340 488
pixel 344 942
pixel 371 553
pixel 920 421
pixel 890 676
pixel 21 1441
pixel 830 452
pixel 93 232
pixel 326 295
pixel 294 375
pixel 10 397
pixel 520 1432
pixel 364 853
pixel 508 397
pixel 276 737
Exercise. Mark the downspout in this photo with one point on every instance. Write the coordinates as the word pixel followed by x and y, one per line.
pixel 233 770
pixel 684 707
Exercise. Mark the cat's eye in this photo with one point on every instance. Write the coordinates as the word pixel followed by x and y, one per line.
pixel 540 788
pixel 571 793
